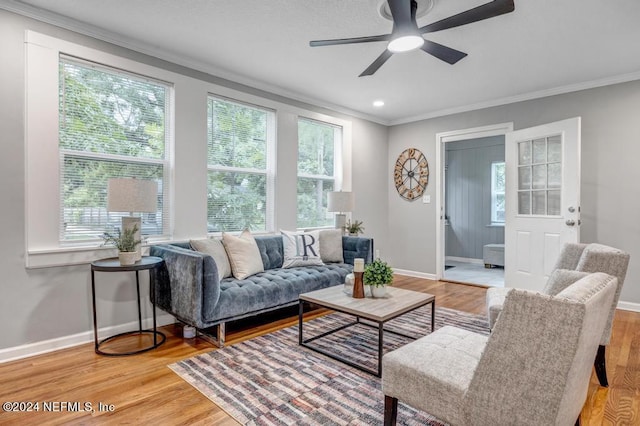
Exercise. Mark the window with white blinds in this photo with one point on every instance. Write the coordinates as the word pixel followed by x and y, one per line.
pixel 111 124
pixel 319 163
pixel 240 146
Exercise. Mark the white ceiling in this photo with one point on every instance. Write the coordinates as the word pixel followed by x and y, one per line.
pixel 544 47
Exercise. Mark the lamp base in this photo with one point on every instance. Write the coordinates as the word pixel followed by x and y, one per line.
pixel 128 222
pixel 341 221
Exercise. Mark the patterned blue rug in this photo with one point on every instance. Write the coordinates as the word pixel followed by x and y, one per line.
pixel 271 380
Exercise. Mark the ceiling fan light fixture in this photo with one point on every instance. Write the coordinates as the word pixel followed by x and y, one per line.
pixel 405 43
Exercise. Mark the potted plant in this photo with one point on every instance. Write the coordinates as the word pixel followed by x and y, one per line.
pixel 354 228
pixel 378 275
pixel 126 243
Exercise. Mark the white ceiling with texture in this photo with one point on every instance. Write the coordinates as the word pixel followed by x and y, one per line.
pixel 543 47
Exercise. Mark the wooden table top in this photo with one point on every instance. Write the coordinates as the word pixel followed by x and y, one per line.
pixel 396 302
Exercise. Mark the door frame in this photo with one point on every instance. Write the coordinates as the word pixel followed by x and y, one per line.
pixel 441 139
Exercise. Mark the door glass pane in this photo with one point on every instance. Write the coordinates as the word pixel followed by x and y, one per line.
pixel 554 175
pixel 539 177
pixel 524 152
pixel 524 177
pixel 524 202
pixel 539 151
pixel 554 149
pixel 553 203
pixel 539 202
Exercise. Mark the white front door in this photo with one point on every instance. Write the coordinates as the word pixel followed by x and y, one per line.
pixel 542 200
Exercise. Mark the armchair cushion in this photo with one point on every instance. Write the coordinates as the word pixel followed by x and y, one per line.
pixel 495 302
pixel 446 360
pixel 560 279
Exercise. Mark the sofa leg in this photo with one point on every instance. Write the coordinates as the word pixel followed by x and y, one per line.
pixel 219 339
pixel 390 410
pixel 601 366
pixel 221 334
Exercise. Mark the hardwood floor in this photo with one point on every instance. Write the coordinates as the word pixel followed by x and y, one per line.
pixel 142 390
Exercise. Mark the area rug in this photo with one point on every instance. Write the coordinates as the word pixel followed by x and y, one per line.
pixel 271 380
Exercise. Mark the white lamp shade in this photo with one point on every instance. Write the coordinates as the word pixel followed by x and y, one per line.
pixel 341 201
pixel 132 195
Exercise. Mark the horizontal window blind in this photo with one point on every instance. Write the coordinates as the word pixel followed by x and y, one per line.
pixel 112 124
pixel 318 160
pixel 240 177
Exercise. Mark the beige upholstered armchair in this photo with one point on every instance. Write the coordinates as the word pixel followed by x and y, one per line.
pixel 574 262
pixel 533 369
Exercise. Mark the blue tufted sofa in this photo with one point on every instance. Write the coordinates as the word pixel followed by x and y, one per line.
pixel 188 287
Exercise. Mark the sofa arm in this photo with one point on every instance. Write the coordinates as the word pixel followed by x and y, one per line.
pixel 187 282
pixel 353 247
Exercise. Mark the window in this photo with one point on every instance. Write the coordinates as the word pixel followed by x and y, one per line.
pixel 497 192
pixel 241 141
pixel 111 124
pixel 319 163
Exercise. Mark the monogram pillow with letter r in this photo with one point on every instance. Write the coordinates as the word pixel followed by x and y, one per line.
pixel 301 249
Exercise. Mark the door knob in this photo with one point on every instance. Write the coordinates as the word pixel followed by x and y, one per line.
pixel 570 222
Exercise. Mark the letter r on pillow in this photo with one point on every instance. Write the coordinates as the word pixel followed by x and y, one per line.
pixel 302 246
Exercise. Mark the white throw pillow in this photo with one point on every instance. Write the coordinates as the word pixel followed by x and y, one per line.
pixel 301 249
pixel 214 248
pixel 331 245
pixel 244 255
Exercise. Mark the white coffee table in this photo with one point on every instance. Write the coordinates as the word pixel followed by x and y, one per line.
pixel 397 302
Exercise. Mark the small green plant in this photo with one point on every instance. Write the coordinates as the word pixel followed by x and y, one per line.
pixel 378 273
pixel 123 241
pixel 354 227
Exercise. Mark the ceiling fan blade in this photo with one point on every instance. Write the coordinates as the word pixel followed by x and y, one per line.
pixel 447 54
pixel 383 37
pixel 485 11
pixel 380 60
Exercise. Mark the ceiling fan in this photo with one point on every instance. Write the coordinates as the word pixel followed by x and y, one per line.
pixel 406 35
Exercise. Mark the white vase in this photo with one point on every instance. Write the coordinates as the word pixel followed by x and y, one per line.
pixel 348 284
pixel 127 257
pixel 378 290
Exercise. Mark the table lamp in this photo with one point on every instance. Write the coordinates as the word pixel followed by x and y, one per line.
pixel 134 196
pixel 340 202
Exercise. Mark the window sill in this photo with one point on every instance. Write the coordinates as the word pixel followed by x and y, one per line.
pixel 77 255
pixel 495 225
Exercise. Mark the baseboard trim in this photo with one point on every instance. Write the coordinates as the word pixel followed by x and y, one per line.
pixel 414 274
pixel 629 306
pixel 45 346
pixel 465 260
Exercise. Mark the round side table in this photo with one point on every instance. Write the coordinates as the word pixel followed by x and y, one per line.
pixel 113 265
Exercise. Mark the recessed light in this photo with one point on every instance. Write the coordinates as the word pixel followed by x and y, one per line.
pixel 378 103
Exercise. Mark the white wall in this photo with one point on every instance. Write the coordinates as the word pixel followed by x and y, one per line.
pixel 38 306
pixel 610 172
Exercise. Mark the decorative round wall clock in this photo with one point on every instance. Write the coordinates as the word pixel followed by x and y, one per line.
pixel 411 174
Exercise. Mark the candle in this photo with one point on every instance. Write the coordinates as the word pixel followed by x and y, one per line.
pixel 358 265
